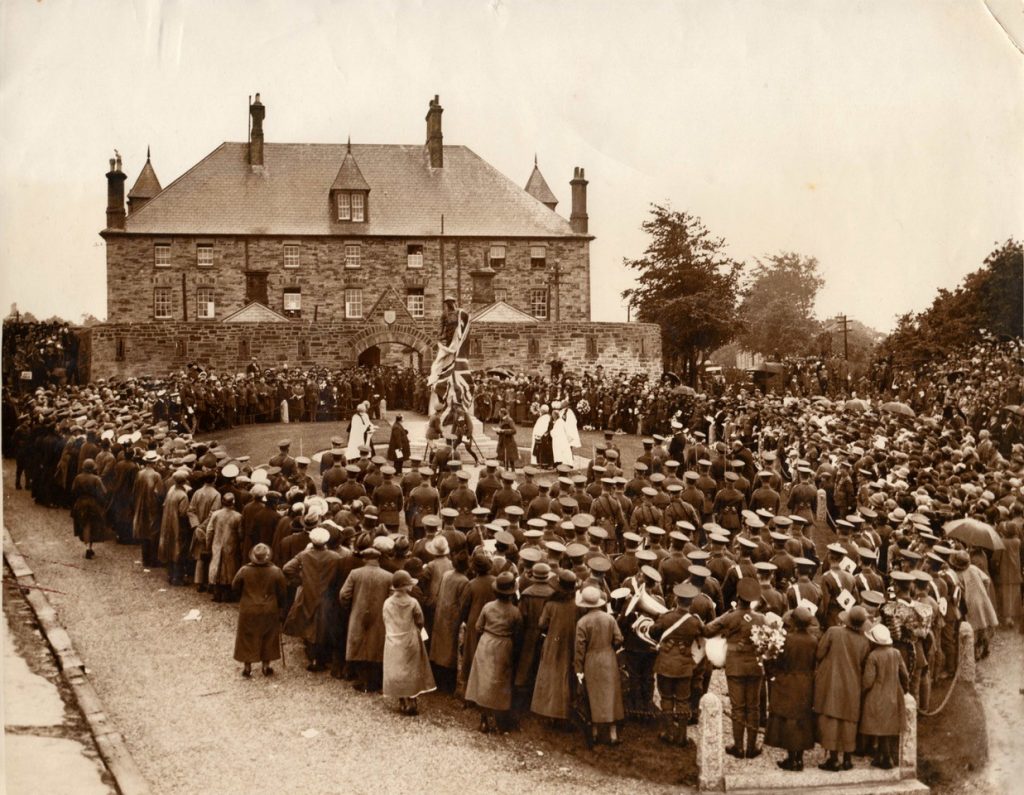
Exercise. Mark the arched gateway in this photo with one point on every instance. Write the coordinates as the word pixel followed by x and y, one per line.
pixel 381 334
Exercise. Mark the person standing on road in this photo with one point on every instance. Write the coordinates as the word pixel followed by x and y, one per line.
pixel 597 636
pixel 406 669
pixel 317 572
pixel 87 510
pixel 263 589
pixel 175 533
pixel 494 661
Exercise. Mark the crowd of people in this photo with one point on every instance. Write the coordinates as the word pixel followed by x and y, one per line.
pixel 810 537
pixel 37 353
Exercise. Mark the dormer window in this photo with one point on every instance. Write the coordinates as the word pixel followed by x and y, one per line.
pixel 351 206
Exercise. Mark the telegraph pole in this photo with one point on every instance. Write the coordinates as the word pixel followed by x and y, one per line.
pixel 845 322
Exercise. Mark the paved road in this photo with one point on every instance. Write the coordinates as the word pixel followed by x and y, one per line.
pixel 48 748
pixel 194 724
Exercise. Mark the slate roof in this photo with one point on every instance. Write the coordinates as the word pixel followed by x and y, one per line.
pixel 147 185
pixel 290 195
pixel 537 187
pixel 349 176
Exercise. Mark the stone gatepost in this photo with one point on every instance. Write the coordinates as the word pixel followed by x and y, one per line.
pixel 908 739
pixel 968 668
pixel 710 748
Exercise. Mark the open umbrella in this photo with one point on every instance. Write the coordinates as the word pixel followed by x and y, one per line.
pixel 501 372
pixel 894 407
pixel 1014 409
pixel 683 389
pixel 856 404
pixel 974 533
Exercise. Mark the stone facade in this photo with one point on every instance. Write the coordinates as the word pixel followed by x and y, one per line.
pixel 322 276
pixel 118 350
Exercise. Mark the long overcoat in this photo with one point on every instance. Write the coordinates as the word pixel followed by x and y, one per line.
pixel 363 594
pixel 490 679
pixel 597 635
pixel 224 534
pixel 87 510
pixel 174 530
pixel 148 494
pixel 531 605
pixel 479 593
pixel 258 638
pixel 553 688
pixel 317 571
pixel 885 681
pixel 444 640
pixel 837 681
pixel 407 671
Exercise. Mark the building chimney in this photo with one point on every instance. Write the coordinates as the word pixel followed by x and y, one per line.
pixel 435 139
pixel 115 193
pixel 257 111
pixel 578 219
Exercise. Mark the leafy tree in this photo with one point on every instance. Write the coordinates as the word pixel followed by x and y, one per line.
pixel 778 306
pixel 988 301
pixel 688 286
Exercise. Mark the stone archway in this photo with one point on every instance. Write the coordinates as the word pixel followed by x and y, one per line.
pixel 395 334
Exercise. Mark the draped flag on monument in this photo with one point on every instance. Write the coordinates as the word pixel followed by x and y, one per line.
pixel 450 380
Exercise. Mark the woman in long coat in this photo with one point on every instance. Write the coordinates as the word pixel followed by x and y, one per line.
pixel 490 679
pixel 885 681
pixel 444 640
pixel 791 720
pixel 224 532
pixel 263 588
pixel 597 636
pixel 837 686
pixel 508 452
pixel 478 594
pixel 1008 574
pixel 406 668
pixel 553 689
pixel 122 505
pixel 87 509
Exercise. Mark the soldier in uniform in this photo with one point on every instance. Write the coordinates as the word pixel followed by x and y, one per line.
pixel 837 587
pixel 388 499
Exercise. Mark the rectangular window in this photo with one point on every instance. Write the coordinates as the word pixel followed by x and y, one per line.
pixel 162 255
pixel 292 302
pixel 344 207
pixel 162 303
pixel 500 294
pixel 358 207
pixel 539 303
pixel 414 255
pixel 353 303
pixel 205 308
pixel 204 256
pixel 497 257
pixel 414 302
pixel 291 255
pixel 538 257
pixel 353 255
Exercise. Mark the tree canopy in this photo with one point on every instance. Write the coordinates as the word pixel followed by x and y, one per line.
pixel 989 301
pixel 687 284
pixel 777 309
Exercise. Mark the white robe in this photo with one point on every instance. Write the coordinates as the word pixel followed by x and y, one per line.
pixel 560 449
pixel 572 428
pixel 358 435
pixel 540 427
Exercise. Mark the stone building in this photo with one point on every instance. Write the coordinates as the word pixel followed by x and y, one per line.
pixel 331 254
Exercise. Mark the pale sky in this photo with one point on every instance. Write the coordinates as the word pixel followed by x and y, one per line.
pixel 884 138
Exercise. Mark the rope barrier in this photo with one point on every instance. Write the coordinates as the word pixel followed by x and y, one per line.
pixel 949 693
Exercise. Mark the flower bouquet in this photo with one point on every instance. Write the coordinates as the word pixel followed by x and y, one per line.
pixel 768 641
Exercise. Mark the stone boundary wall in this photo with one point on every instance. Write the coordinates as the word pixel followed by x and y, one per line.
pixel 119 350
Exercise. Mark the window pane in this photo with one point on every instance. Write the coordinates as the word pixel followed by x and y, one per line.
pixel 292 301
pixel 539 304
pixel 500 294
pixel 538 256
pixel 414 301
pixel 357 207
pixel 162 256
pixel 414 255
pixel 291 256
pixel 353 303
pixel 497 256
pixel 352 256
pixel 162 302
pixel 205 309
pixel 204 256
pixel 344 207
